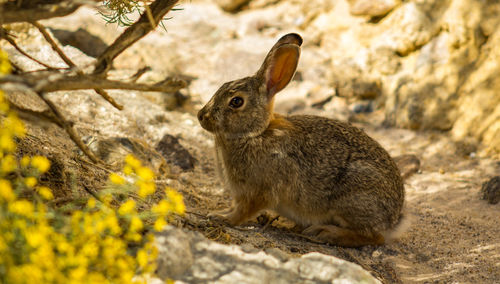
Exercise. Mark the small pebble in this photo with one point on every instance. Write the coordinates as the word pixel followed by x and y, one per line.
pixel 491 190
pixel 376 253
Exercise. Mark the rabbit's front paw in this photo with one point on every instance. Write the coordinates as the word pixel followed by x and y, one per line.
pixel 221 215
pixel 236 215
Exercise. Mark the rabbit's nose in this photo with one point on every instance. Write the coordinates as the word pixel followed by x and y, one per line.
pixel 202 114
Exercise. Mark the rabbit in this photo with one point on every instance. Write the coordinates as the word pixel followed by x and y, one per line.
pixel 327 176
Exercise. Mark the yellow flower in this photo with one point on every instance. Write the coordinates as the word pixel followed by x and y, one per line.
pixel 132 161
pixel 78 274
pixel 25 161
pixel 35 238
pixel 90 250
pixel 22 207
pixel 135 224
pixel 145 173
pixel 8 164
pixel 63 246
pixel 142 258
pixel 145 188
pixel 127 207
pixel 6 142
pixel 127 170
pixel 112 224
pixel 4 106
pixel 15 125
pixel 30 181
pixel 176 199
pixel 4 63
pixel 159 224
pixel 41 163
pixel 45 193
pixel 162 208
pixel 116 179
pixel 91 203
pixel 6 192
pixel 107 199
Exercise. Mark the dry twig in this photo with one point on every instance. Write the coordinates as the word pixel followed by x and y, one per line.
pixel 71 64
pixel 68 127
pixel 11 13
pixel 52 82
pixel 11 41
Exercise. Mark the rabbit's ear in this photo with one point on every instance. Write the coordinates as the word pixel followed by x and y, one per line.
pixel 280 64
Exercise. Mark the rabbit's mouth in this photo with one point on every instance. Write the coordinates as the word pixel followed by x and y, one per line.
pixel 206 120
pixel 207 125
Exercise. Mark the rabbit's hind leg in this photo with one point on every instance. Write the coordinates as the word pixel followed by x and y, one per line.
pixel 336 235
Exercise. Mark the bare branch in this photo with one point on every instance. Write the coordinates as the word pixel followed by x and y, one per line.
pixel 133 33
pixel 93 82
pixel 71 64
pixel 139 73
pixel 52 82
pixel 68 127
pixel 54 46
pixel 109 98
pixel 13 43
pixel 11 13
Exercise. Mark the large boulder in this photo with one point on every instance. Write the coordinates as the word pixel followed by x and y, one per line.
pixel 436 61
pixel 188 257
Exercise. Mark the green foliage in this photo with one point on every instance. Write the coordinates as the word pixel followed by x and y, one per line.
pixel 108 241
pixel 120 10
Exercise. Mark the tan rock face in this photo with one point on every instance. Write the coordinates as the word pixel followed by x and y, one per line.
pixel 372 8
pixel 435 60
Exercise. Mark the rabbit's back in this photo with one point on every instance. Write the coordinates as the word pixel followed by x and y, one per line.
pixel 330 170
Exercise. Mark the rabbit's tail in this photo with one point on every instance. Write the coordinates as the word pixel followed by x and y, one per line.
pixel 401 227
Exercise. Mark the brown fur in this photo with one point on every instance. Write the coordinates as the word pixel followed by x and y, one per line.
pixel 326 175
pixel 279 122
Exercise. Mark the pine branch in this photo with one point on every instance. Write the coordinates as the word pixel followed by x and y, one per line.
pixel 132 34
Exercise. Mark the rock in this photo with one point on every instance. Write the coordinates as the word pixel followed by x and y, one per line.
pixel 114 150
pixel 232 6
pixel 407 164
pixel 174 253
pixel 360 89
pixel 189 257
pixel 491 190
pixel 175 153
pixel 363 107
pixel 466 147
pixel 83 40
pixel 372 8
pixel 436 62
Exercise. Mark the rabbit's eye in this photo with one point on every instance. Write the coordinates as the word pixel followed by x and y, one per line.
pixel 236 102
